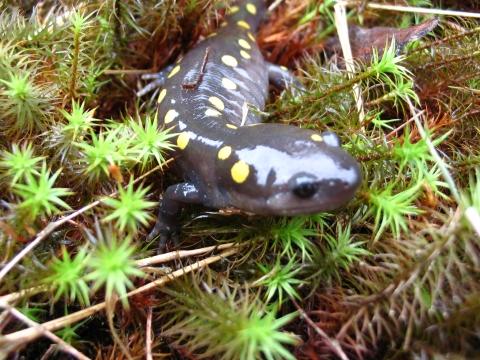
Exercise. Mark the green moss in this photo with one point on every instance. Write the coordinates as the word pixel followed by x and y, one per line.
pixel 391 274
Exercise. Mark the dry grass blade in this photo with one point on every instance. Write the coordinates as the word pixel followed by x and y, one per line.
pixel 412 9
pixel 62 345
pixel 342 29
pixel 25 336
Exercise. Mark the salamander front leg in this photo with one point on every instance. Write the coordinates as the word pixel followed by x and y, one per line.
pixel 170 209
pixel 158 80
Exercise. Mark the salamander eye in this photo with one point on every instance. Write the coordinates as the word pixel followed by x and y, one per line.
pixel 330 138
pixel 304 186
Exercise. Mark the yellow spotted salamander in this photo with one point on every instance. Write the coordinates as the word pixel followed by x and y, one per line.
pixel 226 156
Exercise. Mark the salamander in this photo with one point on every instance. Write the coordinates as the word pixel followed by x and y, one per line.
pixel 226 155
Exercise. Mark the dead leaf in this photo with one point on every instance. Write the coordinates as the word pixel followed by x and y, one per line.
pixel 363 41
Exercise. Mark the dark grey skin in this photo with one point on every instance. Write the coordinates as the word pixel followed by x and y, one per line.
pixel 226 156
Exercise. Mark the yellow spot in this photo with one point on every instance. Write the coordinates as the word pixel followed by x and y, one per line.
pixel 212 34
pixel 224 152
pixel 174 71
pixel 170 115
pixel 251 9
pixel 228 84
pixel 245 54
pixel 243 43
pixel 231 126
pixel 240 171
pixel 233 10
pixel 243 24
pixel 223 24
pixel 179 60
pixel 316 137
pixel 251 37
pixel 215 101
pixel 229 60
pixel 162 95
pixel 212 112
pixel 182 140
pixel 283 68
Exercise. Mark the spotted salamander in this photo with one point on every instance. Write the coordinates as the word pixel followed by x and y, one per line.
pixel 227 157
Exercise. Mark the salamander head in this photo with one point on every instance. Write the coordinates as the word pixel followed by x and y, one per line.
pixel 273 169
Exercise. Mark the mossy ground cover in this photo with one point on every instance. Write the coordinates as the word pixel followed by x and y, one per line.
pixel 392 274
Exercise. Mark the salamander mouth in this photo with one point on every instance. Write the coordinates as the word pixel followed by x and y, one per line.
pixel 287 202
pixel 313 207
pixel 324 199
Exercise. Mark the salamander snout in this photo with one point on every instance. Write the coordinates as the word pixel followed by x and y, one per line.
pixel 329 192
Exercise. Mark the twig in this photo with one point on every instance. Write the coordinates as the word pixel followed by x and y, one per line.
pixel 49 352
pixel 398 128
pixel 422 10
pixel 30 334
pixel 438 160
pixel 446 39
pixel 157 259
pixel 193 86
pixel 413 9
pixel 333 343
pixel 470 113
pixel 270 274
pixel 148 335
pixel 42 235
pixel 342 29
pixel 448 61
pixel 174 255
pixel 62 345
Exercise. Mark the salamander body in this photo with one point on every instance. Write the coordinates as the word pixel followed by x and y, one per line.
pixel 227 157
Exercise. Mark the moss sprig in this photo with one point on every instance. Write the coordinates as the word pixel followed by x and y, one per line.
pixel 76 126
pixel 238 326
pixel 150 142
pixel 19 165
pixel 40 196
pixel 106 149
pixel 24 106
pixel 111 264
pixel 67 277
pixel 337 253
pixel 130 208
pixel 280 280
